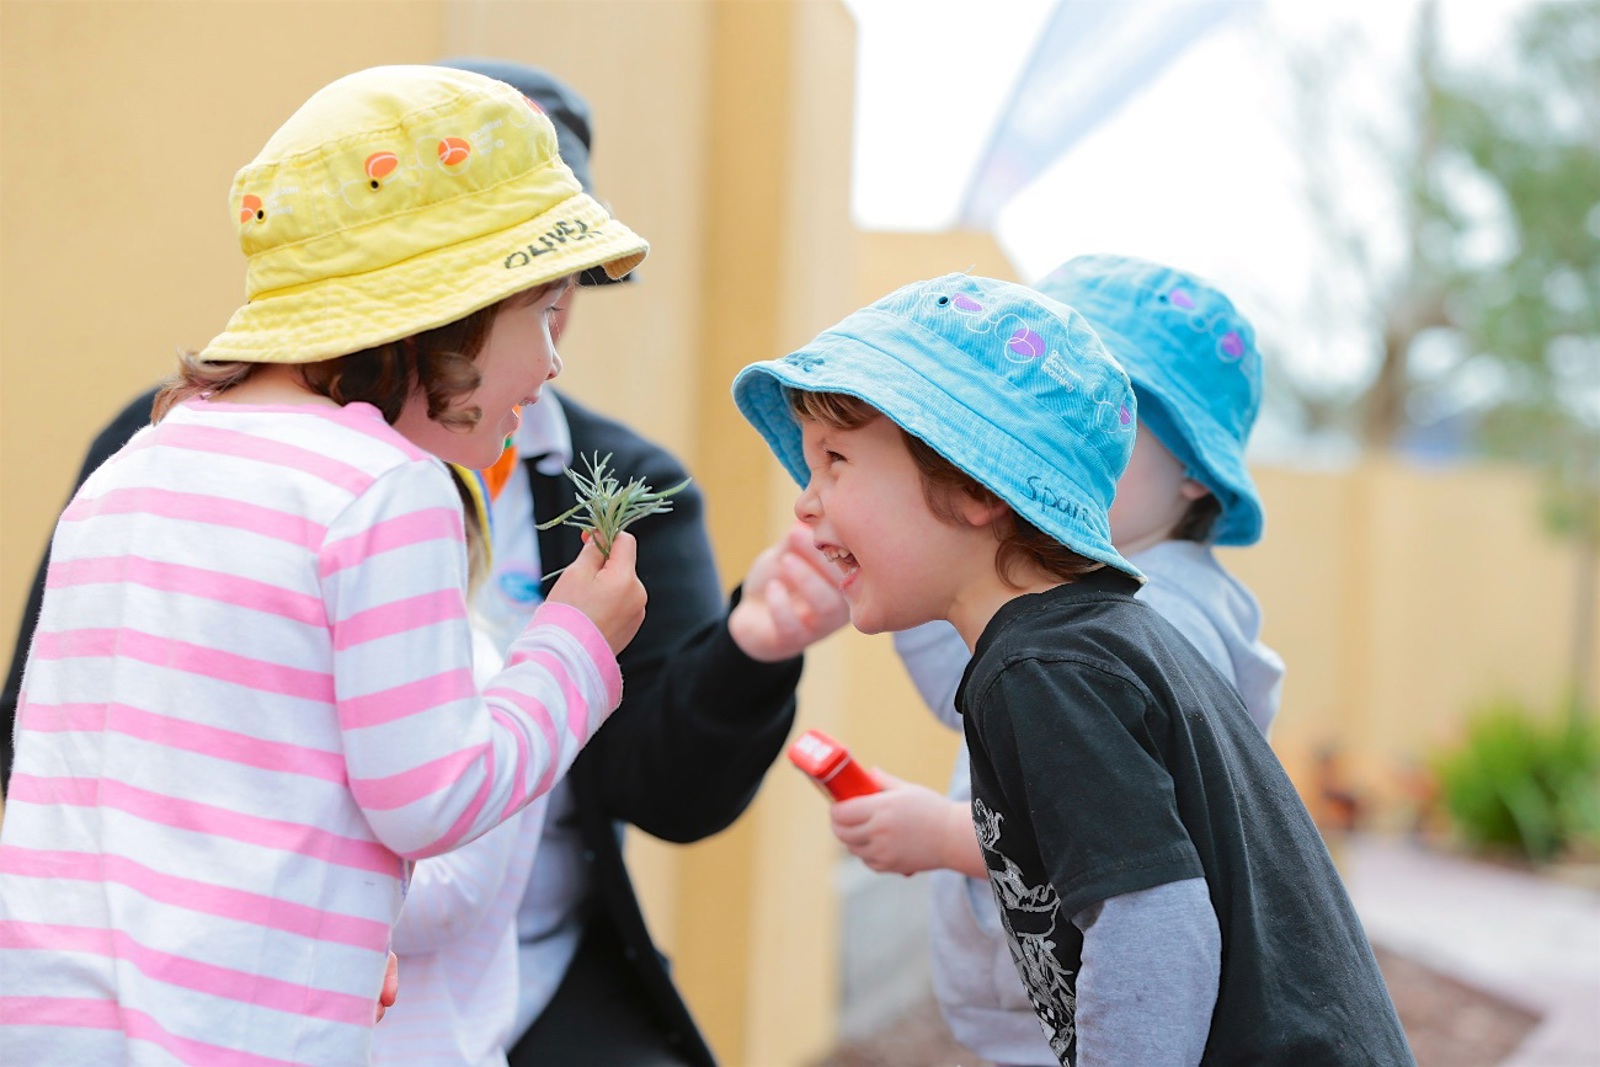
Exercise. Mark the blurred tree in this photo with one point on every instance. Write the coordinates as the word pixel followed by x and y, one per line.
pixel 1533 313
pixel 1482 291
pixel 1391 272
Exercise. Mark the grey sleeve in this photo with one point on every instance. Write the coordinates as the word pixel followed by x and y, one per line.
pixel 935 656
pixel 1148 985
pixel 1193 624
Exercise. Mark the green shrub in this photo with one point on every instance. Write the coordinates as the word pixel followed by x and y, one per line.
pixel 1524 783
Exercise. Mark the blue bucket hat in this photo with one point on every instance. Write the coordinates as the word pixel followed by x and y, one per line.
pixel 1193 362
pixel 1010 386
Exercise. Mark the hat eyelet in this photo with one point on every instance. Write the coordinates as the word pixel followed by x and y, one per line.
pixel 376 185
pixel 261 215
pixel 943 301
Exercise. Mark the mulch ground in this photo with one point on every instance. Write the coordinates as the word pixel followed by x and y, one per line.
pixel 1448 1023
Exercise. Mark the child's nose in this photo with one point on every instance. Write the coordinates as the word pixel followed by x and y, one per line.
pixel 807 506
pixel 555 363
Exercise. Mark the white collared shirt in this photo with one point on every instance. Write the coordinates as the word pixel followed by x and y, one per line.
pixel 548 923
pixel 508 598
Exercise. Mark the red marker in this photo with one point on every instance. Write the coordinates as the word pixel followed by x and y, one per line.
pixel 828 763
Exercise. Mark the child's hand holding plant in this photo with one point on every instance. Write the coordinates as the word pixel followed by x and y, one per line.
pixel 606 589
pixel 602 582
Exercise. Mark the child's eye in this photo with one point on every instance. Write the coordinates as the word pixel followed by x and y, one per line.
pixel 834 457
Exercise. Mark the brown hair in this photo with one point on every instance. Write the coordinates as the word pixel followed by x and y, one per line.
pixel 1198 520
pixel 1020 541
pixel 440 362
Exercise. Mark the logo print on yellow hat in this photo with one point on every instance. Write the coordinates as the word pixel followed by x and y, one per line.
pixel 381 165
pixel 250 208
pixel 453 151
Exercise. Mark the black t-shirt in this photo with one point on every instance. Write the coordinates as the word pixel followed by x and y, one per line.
pixel 1108 756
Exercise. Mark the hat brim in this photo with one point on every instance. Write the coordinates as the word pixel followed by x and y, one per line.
pixel 1209 452
pixel 928 410
pixel 338 316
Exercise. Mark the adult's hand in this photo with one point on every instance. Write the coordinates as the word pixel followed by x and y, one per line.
pixel 791 599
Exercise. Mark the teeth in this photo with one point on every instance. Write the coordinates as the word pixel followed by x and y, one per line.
pixel 839 558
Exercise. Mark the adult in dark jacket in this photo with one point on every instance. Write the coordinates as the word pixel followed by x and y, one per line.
pixel 708 702
pixel 700 723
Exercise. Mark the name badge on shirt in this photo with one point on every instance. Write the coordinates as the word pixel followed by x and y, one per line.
pixel 520 587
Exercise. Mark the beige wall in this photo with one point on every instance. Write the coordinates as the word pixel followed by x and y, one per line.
pixel 1401 598
pixel 123 123
pixel 886 261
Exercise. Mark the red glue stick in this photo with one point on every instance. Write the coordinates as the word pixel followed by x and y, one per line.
pixel 828 763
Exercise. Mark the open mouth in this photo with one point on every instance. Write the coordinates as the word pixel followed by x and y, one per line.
pixel 843 560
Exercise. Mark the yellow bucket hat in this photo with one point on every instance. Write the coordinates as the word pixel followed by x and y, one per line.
pixel 402 198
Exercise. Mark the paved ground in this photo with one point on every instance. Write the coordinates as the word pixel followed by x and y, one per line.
pixel 1488 967
pixel 1531 941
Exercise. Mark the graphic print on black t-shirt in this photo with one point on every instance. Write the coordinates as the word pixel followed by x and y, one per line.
pixel 1029 914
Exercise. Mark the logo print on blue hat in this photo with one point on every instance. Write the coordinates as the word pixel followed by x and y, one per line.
pixel 1230 348
pixel 1025 343
pixel 1113 418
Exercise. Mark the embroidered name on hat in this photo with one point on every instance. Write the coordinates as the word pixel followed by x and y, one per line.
pixel 804 360
pixel 563 233
pixel 1044 494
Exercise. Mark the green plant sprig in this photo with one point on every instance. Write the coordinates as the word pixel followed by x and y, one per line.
pixel 606 506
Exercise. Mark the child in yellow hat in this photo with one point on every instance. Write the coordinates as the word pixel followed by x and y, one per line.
pixel 249 703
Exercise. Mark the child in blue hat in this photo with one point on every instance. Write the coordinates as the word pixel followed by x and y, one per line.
pixel 959 442
pixel 1196 374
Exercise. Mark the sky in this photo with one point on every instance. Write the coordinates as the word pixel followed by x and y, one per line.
pixel 1203 165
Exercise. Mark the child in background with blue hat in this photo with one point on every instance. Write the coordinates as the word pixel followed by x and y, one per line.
pixel 1196 374
pixel 959 442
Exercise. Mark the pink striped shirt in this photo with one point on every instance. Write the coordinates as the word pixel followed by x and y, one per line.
pixel 249 701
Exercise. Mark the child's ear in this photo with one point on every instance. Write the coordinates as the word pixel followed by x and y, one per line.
pixel 1192 490
pixel 983 510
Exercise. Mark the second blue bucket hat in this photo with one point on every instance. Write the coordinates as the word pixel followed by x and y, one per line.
pixel 1193 362
pixel 1012 387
